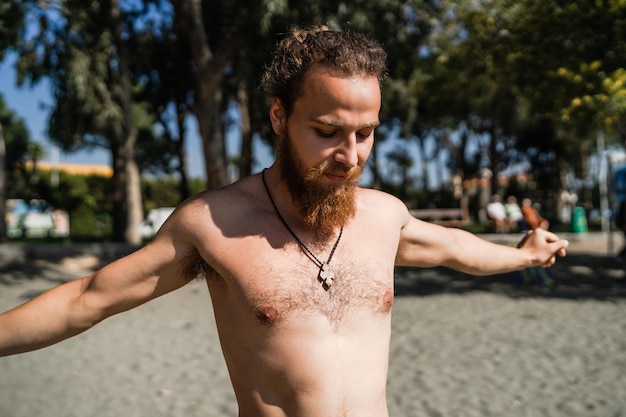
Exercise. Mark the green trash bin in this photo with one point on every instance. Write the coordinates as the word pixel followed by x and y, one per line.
pixel 579 221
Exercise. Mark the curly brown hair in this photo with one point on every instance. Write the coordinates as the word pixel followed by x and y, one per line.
pixel 349 53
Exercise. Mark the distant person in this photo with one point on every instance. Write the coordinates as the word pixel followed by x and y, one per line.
pixel 514 213
pixel 532 217
pixel 298 260
pixel 497 213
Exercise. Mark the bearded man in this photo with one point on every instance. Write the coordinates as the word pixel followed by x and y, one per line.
pixel 298 259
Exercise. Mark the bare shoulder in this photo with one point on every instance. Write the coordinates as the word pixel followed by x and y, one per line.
pixel 383 205
pixel 211 210
pixel 203 225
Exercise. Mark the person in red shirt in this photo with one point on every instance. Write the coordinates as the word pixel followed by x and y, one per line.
pixel 532 217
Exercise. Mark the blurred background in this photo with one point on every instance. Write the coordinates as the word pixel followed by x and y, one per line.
pixel 114 111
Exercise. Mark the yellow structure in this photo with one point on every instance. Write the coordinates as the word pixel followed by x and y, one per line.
pixel 74 169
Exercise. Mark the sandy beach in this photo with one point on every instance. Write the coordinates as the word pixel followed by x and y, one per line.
pixel 462 346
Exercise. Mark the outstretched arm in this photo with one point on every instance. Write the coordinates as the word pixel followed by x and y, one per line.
pixel 74 307
pixel 426 245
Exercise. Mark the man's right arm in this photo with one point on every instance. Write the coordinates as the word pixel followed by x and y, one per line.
pixel 74 307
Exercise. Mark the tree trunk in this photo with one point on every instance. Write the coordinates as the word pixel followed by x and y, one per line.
pixel 245 161
pixel 496 133
pixel 496 160
pixel 461 163
pixel 209 73
pixel 128 184
pixel 135 202
pixel 210 121
pixel 182 156
pixel 425 162
pixel 3 224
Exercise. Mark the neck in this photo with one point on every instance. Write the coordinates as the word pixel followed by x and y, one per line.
pixel 284 199
pixel 292 212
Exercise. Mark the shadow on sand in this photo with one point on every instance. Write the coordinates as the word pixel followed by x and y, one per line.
pixel 577 276
pixel 54 264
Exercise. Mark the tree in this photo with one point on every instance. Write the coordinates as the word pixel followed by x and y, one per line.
pixel 3 225
pixel 211 56
pixel 168 95
pixel 576 53
pixel 401 26
pixel 11 24
pixel 88 53
pixel 14 142
pixel 35 152
pixel 537 78
pixel 468 82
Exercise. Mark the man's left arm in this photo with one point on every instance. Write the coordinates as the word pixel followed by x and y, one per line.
pixel 425 244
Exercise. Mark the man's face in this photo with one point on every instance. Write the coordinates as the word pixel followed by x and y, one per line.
pixel 324 144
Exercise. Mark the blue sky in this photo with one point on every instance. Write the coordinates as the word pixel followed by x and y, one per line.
pixel 32 104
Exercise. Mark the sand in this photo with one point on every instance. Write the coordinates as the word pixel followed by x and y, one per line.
pixel 461 346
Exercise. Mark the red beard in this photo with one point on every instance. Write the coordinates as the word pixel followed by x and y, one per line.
pixel 324 207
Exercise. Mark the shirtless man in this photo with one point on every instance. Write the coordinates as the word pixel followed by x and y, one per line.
pixel 298 260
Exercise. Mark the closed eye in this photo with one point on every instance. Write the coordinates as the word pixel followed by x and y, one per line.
pixel 324 134
pixel 364 135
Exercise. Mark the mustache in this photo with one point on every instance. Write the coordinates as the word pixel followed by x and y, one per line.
pixel 340 170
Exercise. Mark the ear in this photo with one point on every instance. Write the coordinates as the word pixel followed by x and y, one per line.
pixel 278 117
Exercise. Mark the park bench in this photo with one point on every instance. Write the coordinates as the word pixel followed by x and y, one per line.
pixel 455 217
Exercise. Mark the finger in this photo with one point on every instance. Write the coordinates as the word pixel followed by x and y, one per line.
pixel 551 237
pixel 550 262
pixel 562 245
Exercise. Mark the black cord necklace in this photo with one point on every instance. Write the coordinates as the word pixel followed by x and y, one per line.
pixel 326 275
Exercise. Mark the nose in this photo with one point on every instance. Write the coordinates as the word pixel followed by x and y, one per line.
pixel 346 153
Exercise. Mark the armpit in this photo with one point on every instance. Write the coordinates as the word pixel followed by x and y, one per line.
pixel 193 266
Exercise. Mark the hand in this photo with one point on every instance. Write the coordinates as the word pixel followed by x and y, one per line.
pixel 544 245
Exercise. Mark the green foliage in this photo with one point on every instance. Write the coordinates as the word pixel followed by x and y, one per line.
pixel 400 26
pixel 164 191
pixel 160 192
pixel 17 142
pixel 538 77
pixel 87 199
pixel 16 134
pixel 73 46
pixel 87 225
pixel 602 97
pixel 12 17
pixel 90 52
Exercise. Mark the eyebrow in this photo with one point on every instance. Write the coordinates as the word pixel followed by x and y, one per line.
pixel 335 123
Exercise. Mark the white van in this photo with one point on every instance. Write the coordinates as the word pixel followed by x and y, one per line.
pixel 153 221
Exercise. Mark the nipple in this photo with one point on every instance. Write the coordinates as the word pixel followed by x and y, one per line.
pixel 267 315
pixel 387 301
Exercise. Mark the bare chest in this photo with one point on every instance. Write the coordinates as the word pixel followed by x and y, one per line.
pixel 276 285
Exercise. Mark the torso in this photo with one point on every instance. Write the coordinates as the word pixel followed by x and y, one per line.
pixel 292 347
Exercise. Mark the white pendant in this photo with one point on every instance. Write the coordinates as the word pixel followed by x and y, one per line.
pixel 326 276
